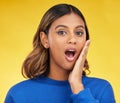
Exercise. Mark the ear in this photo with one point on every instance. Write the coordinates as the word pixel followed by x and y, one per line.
pixel 44 40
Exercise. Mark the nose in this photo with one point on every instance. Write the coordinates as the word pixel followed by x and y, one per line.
pixel 72 40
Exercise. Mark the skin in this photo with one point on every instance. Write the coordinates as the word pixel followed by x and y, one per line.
pixel 66 33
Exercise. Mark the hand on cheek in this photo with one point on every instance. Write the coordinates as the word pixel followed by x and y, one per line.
pixel 75 77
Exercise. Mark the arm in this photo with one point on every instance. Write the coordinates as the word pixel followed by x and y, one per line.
pixel 75 77
pixel 80 95
pixel 8 98
pixel 84 96
pixel 107 95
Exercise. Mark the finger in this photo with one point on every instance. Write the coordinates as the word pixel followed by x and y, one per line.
pixel 81 59
pixel 85 49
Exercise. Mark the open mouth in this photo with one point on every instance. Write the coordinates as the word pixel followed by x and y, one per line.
pixel 70 54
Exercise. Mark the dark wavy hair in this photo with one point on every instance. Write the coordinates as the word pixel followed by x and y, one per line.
pixel 37 62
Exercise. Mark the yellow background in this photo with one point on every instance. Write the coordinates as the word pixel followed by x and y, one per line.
pixel 18 23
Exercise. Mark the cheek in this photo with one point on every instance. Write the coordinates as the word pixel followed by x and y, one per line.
pixel 52 38
pixel 56 50
pixel 81 43
pixel 82 40
pixel 55 44
pixel 54 41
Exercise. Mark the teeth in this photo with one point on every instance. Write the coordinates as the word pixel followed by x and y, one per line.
pixel 71 50
pixel 70 55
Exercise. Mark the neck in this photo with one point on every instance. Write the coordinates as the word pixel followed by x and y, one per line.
pixel 58 74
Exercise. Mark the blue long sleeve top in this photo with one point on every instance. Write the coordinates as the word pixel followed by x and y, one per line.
pixel 45 90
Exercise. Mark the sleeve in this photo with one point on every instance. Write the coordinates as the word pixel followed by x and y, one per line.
pixel 84 96
pixel 8 98
pixel 107 95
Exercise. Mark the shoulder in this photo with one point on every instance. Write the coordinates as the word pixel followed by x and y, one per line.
pixel 23 90
pixel 100 88
pixel 24 85
pixel 95 80
pixel 97 85
pixel 20 85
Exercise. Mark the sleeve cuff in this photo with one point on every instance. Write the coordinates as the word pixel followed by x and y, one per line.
pixel 83 96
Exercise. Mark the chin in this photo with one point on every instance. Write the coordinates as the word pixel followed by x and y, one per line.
pixel 69 68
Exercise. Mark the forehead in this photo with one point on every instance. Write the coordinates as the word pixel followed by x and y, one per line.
pixel 70 20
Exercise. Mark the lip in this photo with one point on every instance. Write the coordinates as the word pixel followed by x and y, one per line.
pixel 71 59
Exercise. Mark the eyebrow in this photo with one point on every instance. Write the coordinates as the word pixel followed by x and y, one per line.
pixel 61 26
pixel 79 26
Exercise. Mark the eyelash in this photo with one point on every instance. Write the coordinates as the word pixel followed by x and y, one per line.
pixel 79 33
pixel 63 32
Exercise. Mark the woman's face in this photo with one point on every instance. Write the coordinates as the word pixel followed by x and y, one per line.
pixel 66 39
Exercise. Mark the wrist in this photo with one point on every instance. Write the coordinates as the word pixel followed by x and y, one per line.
pixel 76 87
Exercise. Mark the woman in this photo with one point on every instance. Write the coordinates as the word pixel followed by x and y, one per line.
pixel 57 65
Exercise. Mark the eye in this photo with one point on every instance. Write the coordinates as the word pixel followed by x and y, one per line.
pixel 61 32
pixel 79 33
